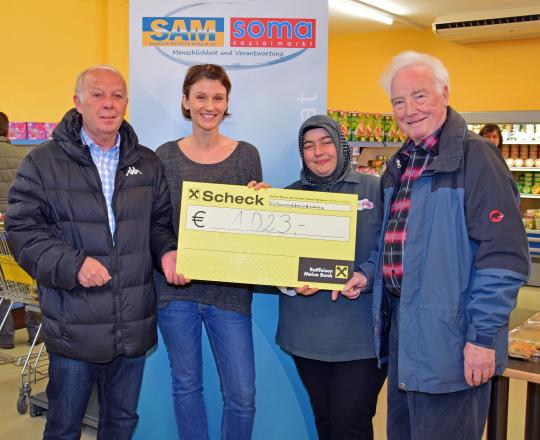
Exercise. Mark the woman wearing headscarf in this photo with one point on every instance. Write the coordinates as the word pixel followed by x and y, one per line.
pixel 332 342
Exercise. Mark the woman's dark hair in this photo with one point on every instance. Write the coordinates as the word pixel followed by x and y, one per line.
pixel 4 124
pixel 490 128
pixel 204 71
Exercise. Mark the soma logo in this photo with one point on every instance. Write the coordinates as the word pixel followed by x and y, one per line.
pixel 273 32
pixel 183 31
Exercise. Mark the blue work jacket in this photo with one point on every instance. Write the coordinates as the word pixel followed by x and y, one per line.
pixel 465 258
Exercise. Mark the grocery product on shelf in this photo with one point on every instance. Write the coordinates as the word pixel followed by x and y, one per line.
pixel 531 219
pixel 32 131
pixel 375 166
pixel 17 130
pixel 36 131
pixel 514 132
pixel 343 121
pixel 352 129
pixel 528 182
pixel 367 127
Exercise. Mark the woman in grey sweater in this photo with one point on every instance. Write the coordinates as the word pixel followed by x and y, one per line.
pixel 225 309
pixel 331 342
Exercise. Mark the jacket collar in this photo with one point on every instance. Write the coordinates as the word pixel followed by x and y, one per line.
pixel 450 148
pixel 68 134
pixel 451 144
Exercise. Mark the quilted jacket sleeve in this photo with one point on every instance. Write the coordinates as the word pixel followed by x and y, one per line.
pixel 31 235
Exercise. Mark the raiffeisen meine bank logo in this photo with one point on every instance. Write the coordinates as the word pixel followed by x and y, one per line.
pixel 183 31
pixel 273 32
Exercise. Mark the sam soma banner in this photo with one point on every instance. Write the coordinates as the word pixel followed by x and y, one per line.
pixel 275 53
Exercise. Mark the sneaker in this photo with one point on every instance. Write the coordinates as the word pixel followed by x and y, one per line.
pixel 7 346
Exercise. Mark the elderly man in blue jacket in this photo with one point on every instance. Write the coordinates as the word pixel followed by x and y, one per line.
pixel 452 256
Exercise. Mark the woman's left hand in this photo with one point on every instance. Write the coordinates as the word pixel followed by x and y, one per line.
pixel 306 290
pixel 253 184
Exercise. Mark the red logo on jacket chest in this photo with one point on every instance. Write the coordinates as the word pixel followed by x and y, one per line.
pixel 496 216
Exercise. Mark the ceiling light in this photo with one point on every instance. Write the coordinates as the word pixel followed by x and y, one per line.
pixel 389 6
pixel 351 7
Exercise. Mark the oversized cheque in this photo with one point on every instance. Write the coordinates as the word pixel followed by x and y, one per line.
pixel 273 237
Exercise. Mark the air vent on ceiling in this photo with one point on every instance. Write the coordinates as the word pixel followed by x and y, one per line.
pixel 495 25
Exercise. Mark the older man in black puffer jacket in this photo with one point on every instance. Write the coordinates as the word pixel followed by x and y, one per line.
pixel 89 218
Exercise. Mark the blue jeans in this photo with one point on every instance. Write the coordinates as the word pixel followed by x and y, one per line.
pixel 421 416
pixel 70 384
pixel 231 340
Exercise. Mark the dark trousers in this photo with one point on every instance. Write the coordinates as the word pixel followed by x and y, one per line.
pixel 343 396
pixel 7 333
pixel 421 416
pixel 68 391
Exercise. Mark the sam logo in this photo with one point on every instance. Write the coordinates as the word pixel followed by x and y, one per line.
pixel 183 31
pixel 342 272
pixel 273 32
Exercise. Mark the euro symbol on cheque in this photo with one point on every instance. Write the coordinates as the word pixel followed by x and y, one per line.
pixel 198 218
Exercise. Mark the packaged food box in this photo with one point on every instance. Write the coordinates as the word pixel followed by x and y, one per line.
pixel 332 114
pixel 17 130
pixel 36 131
pixel 49 127
pixel 343 122
pixel 378 127
pixel 524 342
pixel 354 119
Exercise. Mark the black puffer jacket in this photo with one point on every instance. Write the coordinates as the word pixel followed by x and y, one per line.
pixel 58 216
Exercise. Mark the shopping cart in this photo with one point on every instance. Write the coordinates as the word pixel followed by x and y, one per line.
pixel 18 287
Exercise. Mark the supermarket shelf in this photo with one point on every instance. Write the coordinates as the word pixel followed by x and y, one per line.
pixel 502 117
pixel 27 142
pixel 530 196
pixel 521 142
pixel 376 144
pixel 524 168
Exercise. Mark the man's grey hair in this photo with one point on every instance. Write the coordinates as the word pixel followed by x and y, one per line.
pixel 410 58
pixel 79 83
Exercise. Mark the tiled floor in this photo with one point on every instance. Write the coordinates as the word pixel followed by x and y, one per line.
pixel 16 426
pixel 12 424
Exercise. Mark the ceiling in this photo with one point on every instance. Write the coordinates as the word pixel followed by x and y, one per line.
pixel 419 13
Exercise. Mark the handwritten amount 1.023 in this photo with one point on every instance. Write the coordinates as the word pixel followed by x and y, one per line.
pixel 261 221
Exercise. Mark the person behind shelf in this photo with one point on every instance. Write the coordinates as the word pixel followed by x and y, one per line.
pixel 331 343
pixel 452 256
pixel 225 309
pixel 10 161
pixel 89 218
pixel 492 132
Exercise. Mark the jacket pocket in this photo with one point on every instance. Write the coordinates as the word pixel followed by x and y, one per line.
pixel 440 351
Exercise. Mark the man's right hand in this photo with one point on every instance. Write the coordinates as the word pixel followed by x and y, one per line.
pixel 353 288
pixel 93 273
